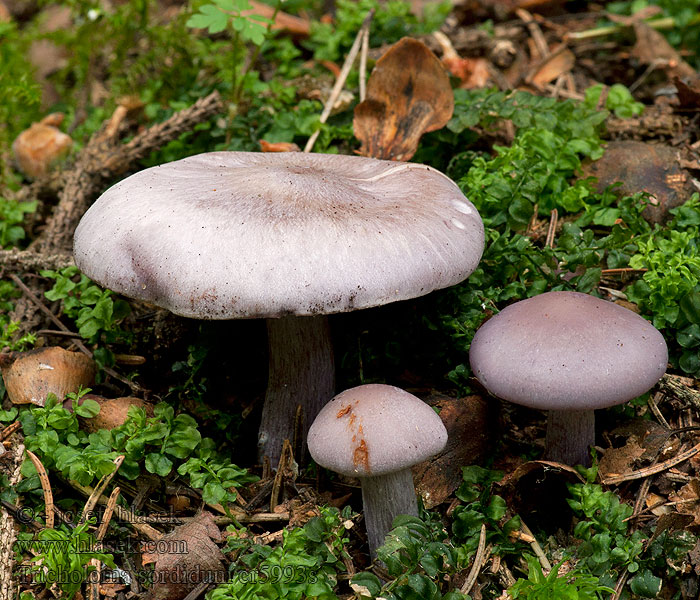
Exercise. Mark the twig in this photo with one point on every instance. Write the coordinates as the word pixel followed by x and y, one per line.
pixel 552 229
pixel 45 486
pixel 122 513
pixel 340 82
pixel 9 430
pixel 546 565
pixel 476 565
pixel 363 65
pixel 26 261
pixel 655 410
pixel 672 386
pixel 535 32
pixel 662 23
pixel 198 590
pixel 107 516
pixel 99 488
pixel 654 469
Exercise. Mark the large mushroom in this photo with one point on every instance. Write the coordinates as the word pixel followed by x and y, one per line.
pixel 289 237
pixel 568 353
pixel 377 433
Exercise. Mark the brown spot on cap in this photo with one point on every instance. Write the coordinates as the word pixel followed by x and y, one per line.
pixel 360 456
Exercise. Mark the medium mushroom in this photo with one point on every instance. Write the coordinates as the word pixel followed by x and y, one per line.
pixel 290 237
pixel 568 353
pixel 377 433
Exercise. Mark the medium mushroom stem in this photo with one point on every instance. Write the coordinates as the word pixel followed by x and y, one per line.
pixel 301 372
pixel 570 433
pixel 384 497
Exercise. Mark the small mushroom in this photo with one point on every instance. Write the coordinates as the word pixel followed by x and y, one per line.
pixel 31 376
pixel 568 353
pixel 377 433
pixel 113 411
pixel 290 237
pixel 36 149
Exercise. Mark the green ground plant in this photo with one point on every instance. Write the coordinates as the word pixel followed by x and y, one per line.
pixel 305 565
pixel 94 310
pixel 63 558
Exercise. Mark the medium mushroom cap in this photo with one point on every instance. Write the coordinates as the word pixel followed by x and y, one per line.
pixel 235 234
pixel 567 351
pixel 375 429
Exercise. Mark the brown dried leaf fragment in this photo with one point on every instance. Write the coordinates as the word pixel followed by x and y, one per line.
pixel 408 94
pixel 184 558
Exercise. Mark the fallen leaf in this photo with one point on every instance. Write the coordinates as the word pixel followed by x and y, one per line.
pixel 688 95
pixel 554 65
pixel 408 94
pixel 617 461
pixel 643 167
pixel 688 499
pixel 184 558
pixel 652 48
pixel 470 434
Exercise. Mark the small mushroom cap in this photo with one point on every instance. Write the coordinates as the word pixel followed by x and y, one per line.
pixel 240 234
pixel 375 429
pixel 567 351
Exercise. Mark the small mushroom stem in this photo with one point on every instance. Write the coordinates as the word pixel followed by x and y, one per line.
pixel 301 372
pixel 570 433
pixel 384 497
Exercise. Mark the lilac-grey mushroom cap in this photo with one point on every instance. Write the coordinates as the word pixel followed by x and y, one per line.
pixel 567 351
pixel 240 234
pixel 375 429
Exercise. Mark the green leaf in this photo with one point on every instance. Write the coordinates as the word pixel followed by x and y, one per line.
pixel 158 464
pixel 213 493
pixel 209 17
pixel 645 584
pixel 87 409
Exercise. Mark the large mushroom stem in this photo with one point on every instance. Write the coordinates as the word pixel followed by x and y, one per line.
pixel 570 433
pixel 301 373
pixel 384 497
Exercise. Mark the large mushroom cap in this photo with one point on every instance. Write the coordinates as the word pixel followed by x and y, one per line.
pixel 375 429
pixel 567 351
pixel 235 234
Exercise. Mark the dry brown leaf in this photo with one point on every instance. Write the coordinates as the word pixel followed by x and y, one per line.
pixel 184 558
pixel 651 48
pixel 640 166
pixel 38 147
pixel 30 376
pixel 688 499
pixel 470 428
pixel 472 72
pixel 408 94
pixel 554 65
pixel 657 504
pixel 617 461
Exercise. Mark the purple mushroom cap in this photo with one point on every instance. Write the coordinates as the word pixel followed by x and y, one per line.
pixel 567 351
pixel 375 429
